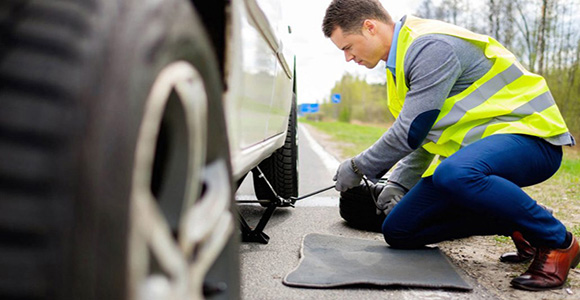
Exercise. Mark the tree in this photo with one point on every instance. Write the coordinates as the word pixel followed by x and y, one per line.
pixel 527 29
pixel 425 10
pixel 543 29
pixel 360 101
pixel 494 7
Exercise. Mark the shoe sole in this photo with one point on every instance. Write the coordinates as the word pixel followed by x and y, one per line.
pixel 529 288
pixel 516 262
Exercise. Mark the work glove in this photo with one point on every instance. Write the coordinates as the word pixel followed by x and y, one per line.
pixel 347 176
pixel 391 194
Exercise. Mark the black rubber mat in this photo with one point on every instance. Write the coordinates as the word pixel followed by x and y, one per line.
pixel 331 261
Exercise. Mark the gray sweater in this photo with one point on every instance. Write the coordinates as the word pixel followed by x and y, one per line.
pixel 437 67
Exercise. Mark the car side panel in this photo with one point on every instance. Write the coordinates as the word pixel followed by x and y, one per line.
pixel 259 95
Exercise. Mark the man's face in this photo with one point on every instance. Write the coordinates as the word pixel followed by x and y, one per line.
pixel 366 48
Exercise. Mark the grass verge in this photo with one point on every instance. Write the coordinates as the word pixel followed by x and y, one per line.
pixel 353 138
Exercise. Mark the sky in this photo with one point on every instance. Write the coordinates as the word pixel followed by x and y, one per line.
pixel 319 63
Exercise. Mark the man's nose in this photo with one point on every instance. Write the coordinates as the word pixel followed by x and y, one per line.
pixel 347 56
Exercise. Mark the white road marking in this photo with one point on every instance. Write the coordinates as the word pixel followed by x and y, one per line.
pixel 329 161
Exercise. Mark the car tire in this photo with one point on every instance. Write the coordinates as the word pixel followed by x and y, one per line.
pixel 114 184
pixel 281 168
pixel 358 208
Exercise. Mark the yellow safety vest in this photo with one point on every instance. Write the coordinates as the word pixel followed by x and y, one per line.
pixel 507 99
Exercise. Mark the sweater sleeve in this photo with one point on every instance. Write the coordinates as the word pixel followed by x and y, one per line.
pixel 410 169
pixel 431 69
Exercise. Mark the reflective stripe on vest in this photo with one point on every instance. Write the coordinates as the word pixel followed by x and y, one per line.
pixel 507 99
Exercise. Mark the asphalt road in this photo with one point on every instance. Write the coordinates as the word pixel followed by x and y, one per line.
pixel 264 266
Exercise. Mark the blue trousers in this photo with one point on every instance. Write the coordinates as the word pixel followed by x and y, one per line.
pixel 477 191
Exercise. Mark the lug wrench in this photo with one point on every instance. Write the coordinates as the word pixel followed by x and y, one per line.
pixel 290 201
pixel 311 194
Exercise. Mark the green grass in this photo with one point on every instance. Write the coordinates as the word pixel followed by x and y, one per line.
pixel 354 138
pixel 571 166
pixel 576 230
pixel 502 239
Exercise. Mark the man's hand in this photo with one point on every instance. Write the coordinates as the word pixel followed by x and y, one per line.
pixel 391 194
pixel 347 176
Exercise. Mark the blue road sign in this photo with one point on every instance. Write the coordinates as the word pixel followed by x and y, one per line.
pixel 335 98
pixel 309 108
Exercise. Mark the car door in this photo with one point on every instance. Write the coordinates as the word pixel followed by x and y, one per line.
pixel 252 76
pixel 278 37
pixel 256 77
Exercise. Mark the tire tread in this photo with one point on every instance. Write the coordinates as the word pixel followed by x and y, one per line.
pixel 281 167
pixel 358 209
pixel 42 49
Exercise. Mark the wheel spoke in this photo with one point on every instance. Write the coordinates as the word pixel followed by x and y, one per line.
pixel 172 269
pixel 192 88
pixel 209 224
pixel 153 226
pixel 211 249
pixel 201 221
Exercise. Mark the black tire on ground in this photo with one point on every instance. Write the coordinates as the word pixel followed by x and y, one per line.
pixel 358 209
pixel 75 76
pixel 281 168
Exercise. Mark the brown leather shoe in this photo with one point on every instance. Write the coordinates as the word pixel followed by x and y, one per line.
pixel 549 269
pixel 525 251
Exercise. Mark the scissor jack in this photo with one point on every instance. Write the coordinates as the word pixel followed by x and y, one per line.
pixel 257 235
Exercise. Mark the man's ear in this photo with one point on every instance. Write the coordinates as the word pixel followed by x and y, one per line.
pixel 370 26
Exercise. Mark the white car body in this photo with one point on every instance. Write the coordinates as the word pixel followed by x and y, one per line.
pixel 257 110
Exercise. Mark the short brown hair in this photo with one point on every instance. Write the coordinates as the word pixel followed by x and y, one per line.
pixel 349 15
